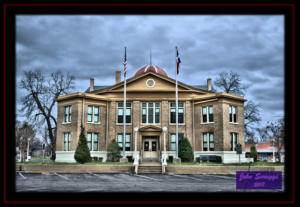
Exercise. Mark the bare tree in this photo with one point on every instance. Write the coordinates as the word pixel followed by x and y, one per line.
pixel 251 117
pixel 24 134
pixel 41 97
pixel 275 133
pixel 230 83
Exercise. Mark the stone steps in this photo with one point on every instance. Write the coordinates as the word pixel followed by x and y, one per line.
pixel 149 169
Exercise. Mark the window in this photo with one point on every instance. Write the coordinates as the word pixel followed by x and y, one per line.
pixel 180 113
pixel 173 141
pixel 207 114
pixel 232 114
pixel 68 112
pixel 67 141
pixel 233 140
pixel 150 113
pixel 127 114
pixel 93 114
pixel 127 142
pixel 92 141
pixel 208 141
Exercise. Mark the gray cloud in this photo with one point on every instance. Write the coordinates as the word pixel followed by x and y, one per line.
pixel 93 46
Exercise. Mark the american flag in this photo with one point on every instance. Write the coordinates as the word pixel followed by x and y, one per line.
pixel 177 60
pixel 125 63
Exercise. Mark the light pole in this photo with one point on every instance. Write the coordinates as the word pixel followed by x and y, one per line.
pixel 273 150
pixel 27 158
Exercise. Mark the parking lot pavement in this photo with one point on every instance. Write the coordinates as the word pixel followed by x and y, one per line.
pixel 90 182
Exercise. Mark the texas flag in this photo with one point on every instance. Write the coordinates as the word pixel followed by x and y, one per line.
pixel 177 60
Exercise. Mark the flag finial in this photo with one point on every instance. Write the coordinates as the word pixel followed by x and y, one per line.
pixel 150 56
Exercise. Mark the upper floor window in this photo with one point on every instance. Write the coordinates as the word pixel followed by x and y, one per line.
pixel 207 114
pixel 232 114
pixel 180 112
pixel 208 141
pixel 121 111
pixel 93 114
pixel 150 113
pixel 173 140
pixel 233 141
pixel 127 141
pixel 92 141
pixel 68 113
pixel 67 141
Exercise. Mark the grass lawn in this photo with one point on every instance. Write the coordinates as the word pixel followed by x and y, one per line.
pixel 66 163
pixel 222 164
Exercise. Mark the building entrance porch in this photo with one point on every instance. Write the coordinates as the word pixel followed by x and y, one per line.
pixel 150 147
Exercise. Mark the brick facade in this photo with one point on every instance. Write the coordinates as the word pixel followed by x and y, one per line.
pixel 193 127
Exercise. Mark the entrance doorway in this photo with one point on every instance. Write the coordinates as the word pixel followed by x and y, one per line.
pixel 150 147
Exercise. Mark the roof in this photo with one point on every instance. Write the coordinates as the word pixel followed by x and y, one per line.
pixel 202 87
pixel 262 147
pixel 96 88
pixel 153 68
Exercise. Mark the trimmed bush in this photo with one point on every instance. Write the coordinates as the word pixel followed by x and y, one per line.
pixel 185 150
pixel 113 152
pixel 253 153
pixel 82 153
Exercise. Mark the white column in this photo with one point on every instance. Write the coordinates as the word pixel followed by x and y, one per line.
pixel 164 157
pixel 136 155
pixel 135 138
pixel 165 130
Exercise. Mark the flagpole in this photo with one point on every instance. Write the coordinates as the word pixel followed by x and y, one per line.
pixel 176 105
pixel 124 105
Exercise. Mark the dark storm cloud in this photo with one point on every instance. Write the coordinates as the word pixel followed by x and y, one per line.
pixel 93 46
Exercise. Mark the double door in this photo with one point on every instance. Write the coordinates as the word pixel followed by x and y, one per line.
pixel 150 147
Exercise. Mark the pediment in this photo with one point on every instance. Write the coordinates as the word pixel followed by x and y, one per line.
pixel 150 128
pixel 160 83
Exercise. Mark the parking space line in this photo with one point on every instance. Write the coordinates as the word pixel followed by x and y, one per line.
pixel 219 176
pixel 61 176
pixel 22 175
pixel 184 176
pixel 143 176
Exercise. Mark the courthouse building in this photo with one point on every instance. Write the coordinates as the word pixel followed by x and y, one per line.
pixel 213 122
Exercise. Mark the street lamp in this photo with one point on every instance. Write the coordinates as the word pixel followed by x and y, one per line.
pixel 273 140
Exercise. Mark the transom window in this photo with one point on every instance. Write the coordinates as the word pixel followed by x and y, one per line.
pixel 208 141
pixel 68 112
pixel 173 140
pixel 232 114
pixel 150 113
pixel 233 140
pixel 207 114
pixel 67 141
pixel 127 142
pixel 93 114
pixel 180 112
pixel 121 111
pixel 92 141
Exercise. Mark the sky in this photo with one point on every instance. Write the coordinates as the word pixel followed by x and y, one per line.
pixel 93 47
